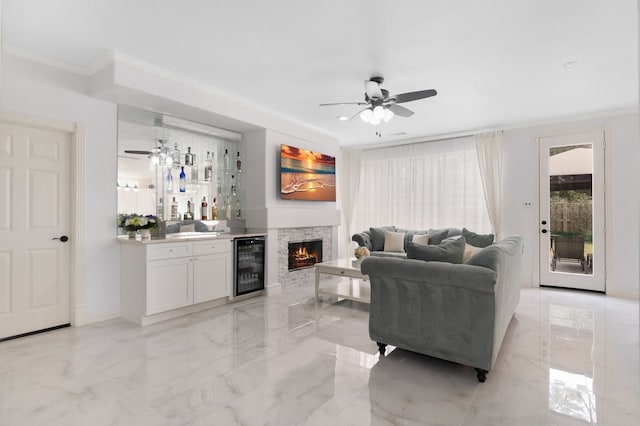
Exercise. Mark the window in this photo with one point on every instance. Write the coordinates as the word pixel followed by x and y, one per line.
pixel 420 186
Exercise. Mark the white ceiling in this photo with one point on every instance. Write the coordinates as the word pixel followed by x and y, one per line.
pixel 495 63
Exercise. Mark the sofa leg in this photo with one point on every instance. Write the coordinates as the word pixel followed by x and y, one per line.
pixel 382 347
pixel 482 375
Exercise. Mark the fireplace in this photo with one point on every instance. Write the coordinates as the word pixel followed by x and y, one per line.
pixel 304 254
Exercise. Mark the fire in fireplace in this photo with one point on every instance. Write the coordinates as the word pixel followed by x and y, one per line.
pixel 304 254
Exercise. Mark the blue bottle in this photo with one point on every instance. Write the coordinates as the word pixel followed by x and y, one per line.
pixel 183 180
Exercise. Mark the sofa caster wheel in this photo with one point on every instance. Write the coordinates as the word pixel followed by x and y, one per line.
pixel 382 348
pixel 482 375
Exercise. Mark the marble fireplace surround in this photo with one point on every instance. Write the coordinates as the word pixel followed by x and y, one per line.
pixel 285 235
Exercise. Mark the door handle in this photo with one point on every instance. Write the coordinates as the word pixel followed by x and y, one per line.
pixel 544 231
pixel 63 238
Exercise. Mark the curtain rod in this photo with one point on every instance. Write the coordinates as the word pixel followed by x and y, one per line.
pixel 415 141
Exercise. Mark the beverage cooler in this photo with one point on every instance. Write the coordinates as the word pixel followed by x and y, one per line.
pixel 248 265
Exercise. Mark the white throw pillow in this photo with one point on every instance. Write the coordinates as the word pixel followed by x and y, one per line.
pixel 394 241
pixel 421 239
pixel 469 251
pixel 188 228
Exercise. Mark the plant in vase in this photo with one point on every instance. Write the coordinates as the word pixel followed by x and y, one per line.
pixel 361 252
pixel 133 223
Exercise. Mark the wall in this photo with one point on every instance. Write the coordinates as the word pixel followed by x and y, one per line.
pixel 267 211
pixel 45 92
pixel 622 212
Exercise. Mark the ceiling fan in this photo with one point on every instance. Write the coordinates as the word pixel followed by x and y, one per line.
pixel 381 106
pixel 159 155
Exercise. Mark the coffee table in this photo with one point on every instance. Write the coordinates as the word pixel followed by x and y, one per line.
pixel 356 288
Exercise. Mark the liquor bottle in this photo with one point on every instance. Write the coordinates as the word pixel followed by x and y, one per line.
pixel 238 163
pixel 175 156
pixel 188 157
pixel 174 209
pixel 226 160
pixel 203 209
pixel 227 209
pixel 238 208
pixel 189 213
pixel 183 180
pixel 194 171
pixel 214 210
pixel 233 185
pixel 160 209
pixel 208 168
pixel 169 182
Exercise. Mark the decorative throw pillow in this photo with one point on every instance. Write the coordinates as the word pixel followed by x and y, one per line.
pixel 469 252
pixel 436 236
pixel 394 241
pixel 421 239
pixel 377 237
pixel 188 228
pixel 477 240
pixel 450 250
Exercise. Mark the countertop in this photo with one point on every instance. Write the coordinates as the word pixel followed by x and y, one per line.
pixel 189 236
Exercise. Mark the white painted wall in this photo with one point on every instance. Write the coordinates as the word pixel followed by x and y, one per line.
pixel 267 211
pixel 45 92
pixel 622 210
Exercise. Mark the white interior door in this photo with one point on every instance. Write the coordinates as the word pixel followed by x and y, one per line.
pixel 572 223
pixel 34 214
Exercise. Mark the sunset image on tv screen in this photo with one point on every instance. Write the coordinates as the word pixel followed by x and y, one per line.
pixel 306 175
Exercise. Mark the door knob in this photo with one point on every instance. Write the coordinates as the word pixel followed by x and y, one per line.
pixel 63 238
pixel 544 231
pixel 544 222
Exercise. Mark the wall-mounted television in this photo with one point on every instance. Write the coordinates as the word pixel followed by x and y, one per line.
pixel 306 175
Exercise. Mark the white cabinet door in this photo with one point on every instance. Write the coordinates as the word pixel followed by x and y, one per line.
pixel 211 278
pixel 169 284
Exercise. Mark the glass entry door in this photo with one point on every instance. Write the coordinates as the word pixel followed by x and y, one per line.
pixel 572 211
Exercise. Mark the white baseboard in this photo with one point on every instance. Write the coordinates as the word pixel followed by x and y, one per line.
pixel 91 319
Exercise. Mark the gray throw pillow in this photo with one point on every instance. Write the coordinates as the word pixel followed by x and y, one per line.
pixel 377 237
pixel 477 240
pixel 436 236
pixel 450 250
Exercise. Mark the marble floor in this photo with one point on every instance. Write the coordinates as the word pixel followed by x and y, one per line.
pixel 569 358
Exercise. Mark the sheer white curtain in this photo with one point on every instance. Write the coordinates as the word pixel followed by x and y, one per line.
pixel 420 186
pixel 489 152
pixel 349 173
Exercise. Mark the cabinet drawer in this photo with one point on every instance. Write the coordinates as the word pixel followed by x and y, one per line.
pixel 168 251
pixel 211 247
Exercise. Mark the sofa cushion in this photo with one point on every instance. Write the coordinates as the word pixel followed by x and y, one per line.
pixel 450 250
pixel 469 252
pixel 436 236
pixel 477 240
pixel 394 241
pixel 420 239
pixel 377 237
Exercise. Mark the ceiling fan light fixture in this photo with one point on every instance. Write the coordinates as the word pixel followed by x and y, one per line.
pixel 366 115
pixel 388 115
pixel 378 112
pixel 374 121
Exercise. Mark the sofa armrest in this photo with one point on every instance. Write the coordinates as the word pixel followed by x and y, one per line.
pixel 363 239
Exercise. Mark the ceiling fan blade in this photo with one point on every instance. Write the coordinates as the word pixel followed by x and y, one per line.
pixel 134 151
pixel 357 114
pixel 414 96
pixel 400 110
pixel 345 103
pixel 372 89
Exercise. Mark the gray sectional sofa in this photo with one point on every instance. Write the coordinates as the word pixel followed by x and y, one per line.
pixel 454 311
